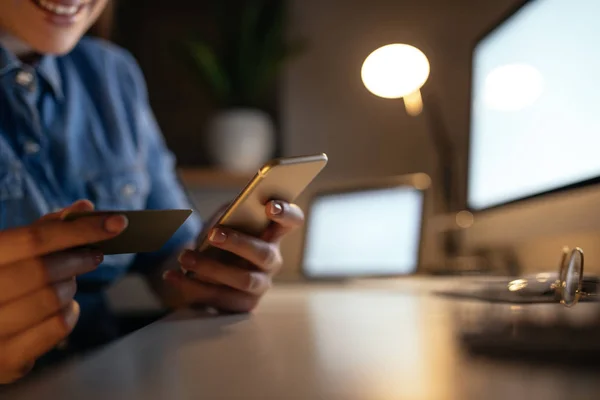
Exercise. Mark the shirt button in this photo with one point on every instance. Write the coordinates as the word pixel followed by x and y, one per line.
pixel 31 147
pixel 128 190
pixel 25 79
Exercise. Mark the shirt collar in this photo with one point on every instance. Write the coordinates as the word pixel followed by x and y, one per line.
pixel 8 61
pixel 47 68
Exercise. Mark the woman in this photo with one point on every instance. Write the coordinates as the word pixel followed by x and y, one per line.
pixel 75 123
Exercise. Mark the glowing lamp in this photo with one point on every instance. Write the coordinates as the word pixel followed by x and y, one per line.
pixel 397 71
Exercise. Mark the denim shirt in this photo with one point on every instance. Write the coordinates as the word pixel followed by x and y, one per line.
pixel 79 126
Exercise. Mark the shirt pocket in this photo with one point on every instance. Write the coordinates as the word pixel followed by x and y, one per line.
pixel 126 189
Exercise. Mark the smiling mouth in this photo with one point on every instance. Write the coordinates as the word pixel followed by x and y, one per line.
pixel 59 9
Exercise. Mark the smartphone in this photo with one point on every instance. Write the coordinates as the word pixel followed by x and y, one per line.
pixel 279 179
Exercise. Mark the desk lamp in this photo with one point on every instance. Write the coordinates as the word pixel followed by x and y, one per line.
pixel 399 71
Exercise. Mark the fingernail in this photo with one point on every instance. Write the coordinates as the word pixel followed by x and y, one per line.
pixel 71 315
pixel 275 208
pixel 187 258
pixel 217 236
pixel 115 224
pixel 65 292
pixel 256 281
pixel 98 257
pixel 170 276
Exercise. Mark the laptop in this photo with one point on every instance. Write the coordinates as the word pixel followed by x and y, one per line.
pixel 360 230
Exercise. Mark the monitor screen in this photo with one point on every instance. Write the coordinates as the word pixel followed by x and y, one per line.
pixel 364 233
pixel 535 111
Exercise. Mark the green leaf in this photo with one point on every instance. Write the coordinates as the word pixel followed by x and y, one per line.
pixel 250 51
pixel 207 61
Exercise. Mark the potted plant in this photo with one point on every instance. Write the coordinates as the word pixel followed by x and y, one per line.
pixel 240 66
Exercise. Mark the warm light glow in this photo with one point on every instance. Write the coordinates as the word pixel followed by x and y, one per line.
pixel 464 219
pixel 396 70
pixel 413 103
pixel 513 87
pixel 517 285
pixel 422 181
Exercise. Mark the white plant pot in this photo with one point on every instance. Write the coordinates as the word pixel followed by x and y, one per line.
pixel 241 140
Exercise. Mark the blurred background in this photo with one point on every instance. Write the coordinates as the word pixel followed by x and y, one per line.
pixel 302 93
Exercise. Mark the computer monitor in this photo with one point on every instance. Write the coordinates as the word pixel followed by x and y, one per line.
pixel 535 105
pixel 534 148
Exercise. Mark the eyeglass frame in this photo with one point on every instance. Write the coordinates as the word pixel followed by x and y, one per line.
pixel 560 285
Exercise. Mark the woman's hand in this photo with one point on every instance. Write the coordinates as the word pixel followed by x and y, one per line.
pixel 237 285
pixel 37 283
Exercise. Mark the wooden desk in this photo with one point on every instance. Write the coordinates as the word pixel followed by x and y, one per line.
pixel 374 341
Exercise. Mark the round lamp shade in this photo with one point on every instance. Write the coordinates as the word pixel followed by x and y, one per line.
pixel 395 70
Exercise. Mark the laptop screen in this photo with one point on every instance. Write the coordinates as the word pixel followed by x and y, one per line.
pixel 364 233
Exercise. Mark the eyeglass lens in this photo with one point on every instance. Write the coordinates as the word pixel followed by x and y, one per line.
pixel 572 278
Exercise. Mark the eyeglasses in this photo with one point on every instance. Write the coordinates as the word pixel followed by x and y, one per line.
pixel 569 285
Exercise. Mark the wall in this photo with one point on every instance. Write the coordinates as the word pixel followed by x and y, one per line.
pixel 154 31
pixel 326 108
